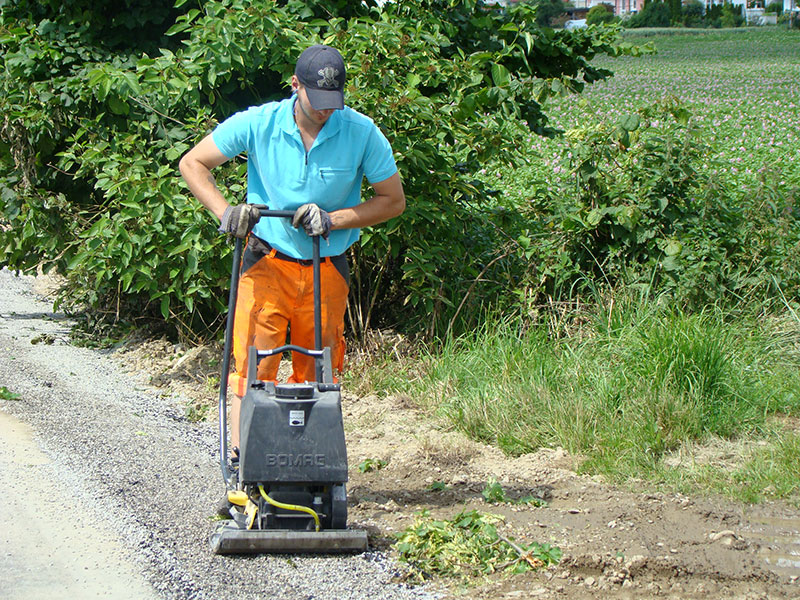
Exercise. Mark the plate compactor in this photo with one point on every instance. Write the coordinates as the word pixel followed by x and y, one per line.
pixel 288 494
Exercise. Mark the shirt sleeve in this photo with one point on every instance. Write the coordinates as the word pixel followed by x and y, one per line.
pixel 233 135
pixel 378 157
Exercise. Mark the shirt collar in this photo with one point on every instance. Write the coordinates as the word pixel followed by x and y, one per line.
pixel 288 124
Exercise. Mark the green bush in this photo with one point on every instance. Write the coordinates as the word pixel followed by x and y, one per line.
pixel 774 8
pixel 731 15
pixel 692 13
pixel 600 13
pixel 719 15
pixel 641 208
pixel 675 7
pixel 654 14
pixel 713 16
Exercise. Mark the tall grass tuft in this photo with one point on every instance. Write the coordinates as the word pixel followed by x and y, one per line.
pixel 632 384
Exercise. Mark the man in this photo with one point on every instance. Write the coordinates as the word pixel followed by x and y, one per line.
pixel 307 153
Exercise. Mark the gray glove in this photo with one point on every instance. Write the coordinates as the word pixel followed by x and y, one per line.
pixel 239 220
pixel 314 220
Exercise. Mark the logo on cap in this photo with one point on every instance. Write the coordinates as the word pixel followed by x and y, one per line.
pixel 328 80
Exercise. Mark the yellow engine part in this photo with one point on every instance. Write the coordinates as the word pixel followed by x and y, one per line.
pixel 251 510
pixel 238 497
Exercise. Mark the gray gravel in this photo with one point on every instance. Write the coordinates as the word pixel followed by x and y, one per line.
pixel 141 469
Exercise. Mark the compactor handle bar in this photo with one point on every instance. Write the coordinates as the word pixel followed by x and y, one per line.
pixel 226 356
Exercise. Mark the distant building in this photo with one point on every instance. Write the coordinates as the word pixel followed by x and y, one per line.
pixel 752 10
pixel 621 7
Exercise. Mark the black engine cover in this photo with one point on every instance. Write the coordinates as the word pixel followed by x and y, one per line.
pixel 286 437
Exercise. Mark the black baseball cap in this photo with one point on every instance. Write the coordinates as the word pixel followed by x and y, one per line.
pixel 321 71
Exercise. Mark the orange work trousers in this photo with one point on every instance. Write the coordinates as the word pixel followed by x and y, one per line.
pixel 276 295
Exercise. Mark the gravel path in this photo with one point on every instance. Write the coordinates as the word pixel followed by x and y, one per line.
pixel 143 474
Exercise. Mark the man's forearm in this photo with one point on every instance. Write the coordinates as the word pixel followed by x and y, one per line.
pixel 375 210
pixel 203 186
pixel 389 201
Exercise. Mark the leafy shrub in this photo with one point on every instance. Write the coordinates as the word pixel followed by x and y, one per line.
pixel 600 13
pixel 731 15
pixel 722 15
pixel 774 8
pixel 713 16
pixel 654 14
pixel 692 13
pixel 641 207
pixel 790 19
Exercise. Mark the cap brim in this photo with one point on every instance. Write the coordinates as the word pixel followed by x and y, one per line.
pixel 325 99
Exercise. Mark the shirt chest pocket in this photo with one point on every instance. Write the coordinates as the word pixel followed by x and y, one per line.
pixel 335 184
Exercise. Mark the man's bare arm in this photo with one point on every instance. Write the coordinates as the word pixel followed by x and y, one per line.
pixel 389 201
pixel 196 166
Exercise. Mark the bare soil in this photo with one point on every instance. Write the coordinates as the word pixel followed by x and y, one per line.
pixel 618 542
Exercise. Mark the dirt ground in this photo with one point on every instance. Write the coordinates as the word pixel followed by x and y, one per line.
pixel 616 542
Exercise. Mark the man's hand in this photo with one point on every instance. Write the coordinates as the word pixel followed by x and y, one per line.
pixel 239 220
pixel 314 220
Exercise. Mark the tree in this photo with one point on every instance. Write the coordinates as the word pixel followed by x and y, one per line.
pixel 96 117
pixel 600 13
pixel 675 11
pixel 692 13
pixel 731 15
pixel 654 14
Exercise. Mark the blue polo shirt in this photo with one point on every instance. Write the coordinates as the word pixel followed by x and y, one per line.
pixel 282 175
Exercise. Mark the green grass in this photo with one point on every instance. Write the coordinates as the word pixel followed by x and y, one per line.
pixel 763 468
pixel 773 467
pixel 631 384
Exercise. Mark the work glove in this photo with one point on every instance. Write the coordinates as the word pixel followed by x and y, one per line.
pixel 239 220
pixel 314 220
